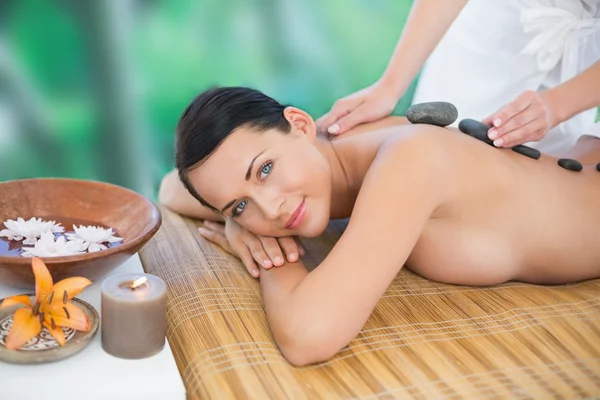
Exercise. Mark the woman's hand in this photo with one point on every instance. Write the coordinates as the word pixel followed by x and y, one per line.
pixel 526 119
pixel 366 105
pixel 253 250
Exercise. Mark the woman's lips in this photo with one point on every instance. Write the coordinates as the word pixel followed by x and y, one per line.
pixel 297 216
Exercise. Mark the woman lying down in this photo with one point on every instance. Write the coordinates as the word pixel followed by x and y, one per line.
pixel 435 200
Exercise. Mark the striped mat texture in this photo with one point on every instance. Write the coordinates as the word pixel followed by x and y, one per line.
pixel 424 340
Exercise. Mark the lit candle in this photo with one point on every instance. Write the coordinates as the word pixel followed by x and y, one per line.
pixel 133 315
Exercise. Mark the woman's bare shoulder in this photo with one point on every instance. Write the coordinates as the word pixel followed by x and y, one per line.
pixel 410 174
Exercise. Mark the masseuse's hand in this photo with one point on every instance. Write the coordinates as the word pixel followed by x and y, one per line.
pixel 250 248
pixel 526 119
pixel 367 105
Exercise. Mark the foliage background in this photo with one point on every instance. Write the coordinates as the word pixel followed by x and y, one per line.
pixel 93 89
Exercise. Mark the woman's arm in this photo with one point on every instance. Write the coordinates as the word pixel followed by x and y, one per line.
pixel 175 196
pixel 314 315
pixel 427 23
pixel 576 95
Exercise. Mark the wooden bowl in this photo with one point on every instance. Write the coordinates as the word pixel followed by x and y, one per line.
pixel 135 219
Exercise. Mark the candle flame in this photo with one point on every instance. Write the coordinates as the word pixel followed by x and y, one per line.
pixel 138 282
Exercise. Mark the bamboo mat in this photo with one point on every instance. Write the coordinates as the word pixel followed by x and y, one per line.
pixel 424 340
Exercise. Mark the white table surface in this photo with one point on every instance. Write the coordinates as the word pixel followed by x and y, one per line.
pixel 92 373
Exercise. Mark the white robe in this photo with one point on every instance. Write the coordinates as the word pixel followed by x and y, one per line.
pixel 496 49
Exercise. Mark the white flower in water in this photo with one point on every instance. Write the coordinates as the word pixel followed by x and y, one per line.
pixel 92 237
pixel 49 246
pixel 31 229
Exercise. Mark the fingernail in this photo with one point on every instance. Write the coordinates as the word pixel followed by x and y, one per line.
pixel 201 230
pixel 278 260
pixel 267 263
pixel 293 257
pixel 493 134
pixel 255 272
pixel 498 142
pixel 333 128
pixel 497 122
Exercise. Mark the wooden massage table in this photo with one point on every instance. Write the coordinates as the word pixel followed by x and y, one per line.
pixel 424 340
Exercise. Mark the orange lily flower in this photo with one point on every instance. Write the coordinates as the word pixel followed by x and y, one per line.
pixel 52 308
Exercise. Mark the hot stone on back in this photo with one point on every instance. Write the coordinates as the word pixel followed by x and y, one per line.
pixel 479 130
pixel 475 129
pixel 570 164
pixel 433 113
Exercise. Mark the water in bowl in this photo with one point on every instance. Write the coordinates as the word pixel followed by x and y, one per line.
pixel 12 248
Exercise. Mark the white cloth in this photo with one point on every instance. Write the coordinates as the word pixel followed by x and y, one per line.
pixel 496 49
pixel 594 130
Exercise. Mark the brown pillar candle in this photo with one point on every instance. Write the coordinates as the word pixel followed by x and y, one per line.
pixel 133 315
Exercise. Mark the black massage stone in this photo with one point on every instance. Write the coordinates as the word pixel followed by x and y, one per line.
pixel 598 167
pixel 475 129
pixel 527 151
pixel 433 113
pixel 570 164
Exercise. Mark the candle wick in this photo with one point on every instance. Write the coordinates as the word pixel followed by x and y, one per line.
pixel 138 282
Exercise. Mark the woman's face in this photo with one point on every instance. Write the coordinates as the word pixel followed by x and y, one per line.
pixel 271 183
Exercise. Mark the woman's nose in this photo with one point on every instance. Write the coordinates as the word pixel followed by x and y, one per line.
pixel 271 204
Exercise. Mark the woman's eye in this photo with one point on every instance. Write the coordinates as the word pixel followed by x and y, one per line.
pixel 266 170
pixel 240 207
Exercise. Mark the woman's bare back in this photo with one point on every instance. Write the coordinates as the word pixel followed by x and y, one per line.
pixel 513 218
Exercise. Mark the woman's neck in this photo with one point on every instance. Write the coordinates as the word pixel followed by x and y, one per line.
pixel 345 183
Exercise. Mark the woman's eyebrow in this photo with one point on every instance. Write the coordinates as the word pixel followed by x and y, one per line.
pixel 248 173
pixel 251 165
pixel 232 202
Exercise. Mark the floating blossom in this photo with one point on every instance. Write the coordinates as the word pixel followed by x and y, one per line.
pixel 49 246
pixel 52 309
pixel 93 237
pixel 31 230
pixel 85 238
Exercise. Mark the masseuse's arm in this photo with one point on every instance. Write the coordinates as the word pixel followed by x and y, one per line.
pixel 575 95
pixel 173 195
pixel 426 25
pixel 531 115
pixel 314 315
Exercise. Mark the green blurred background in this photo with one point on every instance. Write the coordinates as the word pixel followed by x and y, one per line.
pixel 93 89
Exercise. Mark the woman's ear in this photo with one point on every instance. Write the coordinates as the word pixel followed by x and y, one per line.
pixel 301 121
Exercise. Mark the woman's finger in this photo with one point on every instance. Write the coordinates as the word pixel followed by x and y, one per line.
pixel 513 108
pixel 290 248
pixel 365 112
pixel 271 247
pixel 217 238
pixel 215 226
pixel 256 249
pixel 518 121
pixel 324 122
pixel 327 120
pixel 527 133
pixel 339 111
pixel 246 257
pixel 488 120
